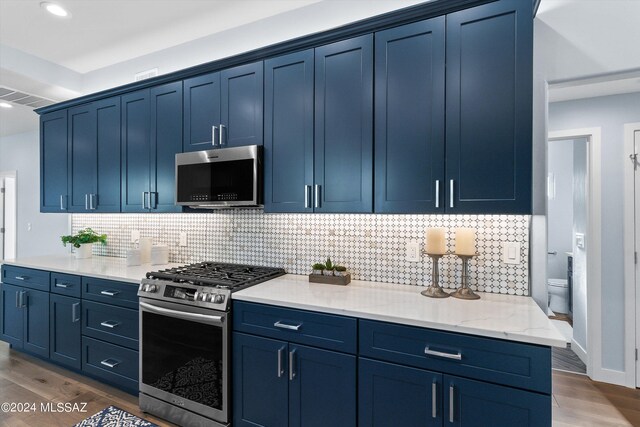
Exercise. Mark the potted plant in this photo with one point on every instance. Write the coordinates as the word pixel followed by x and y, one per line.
pixel 328 268
pixel 83 241
pixel 339 270
pixel 317 268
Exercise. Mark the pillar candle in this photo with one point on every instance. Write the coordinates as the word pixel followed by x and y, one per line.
pixel 436 241
pixel 465 241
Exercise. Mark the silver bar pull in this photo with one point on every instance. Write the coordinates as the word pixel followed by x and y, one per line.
pixel 86 202
pixel 110 363
pixel 292 365
pixel 451 392
pixel 62 285
pixel 457 356
pixel 307 204
pixel 75 312
pixel 450 193
pixel 281 325
pixel 552 253
pixel 317 196
pixel 93 203
pixel 214 130
pixel 22 277
pixel 109 324
pixel 155 199
pixel 144 200
pixel 109 293
pixel 18 299
pixel 63 205
pixel 434 400
pixel 23 303
pixel 280 354
pixel 437 193
pixel 221 141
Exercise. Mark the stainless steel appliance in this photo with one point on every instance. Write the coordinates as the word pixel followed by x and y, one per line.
pixel 184 340
pixel 220 178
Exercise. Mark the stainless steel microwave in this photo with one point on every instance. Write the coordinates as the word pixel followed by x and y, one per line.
pixel 220 178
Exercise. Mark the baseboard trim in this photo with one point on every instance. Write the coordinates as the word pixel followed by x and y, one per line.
pixel 579 351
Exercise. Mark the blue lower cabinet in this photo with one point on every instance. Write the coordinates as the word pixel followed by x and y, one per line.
pixel 64 330
pixel 35 305
pixel 11 318
pixel 471 403
pixel 109 362
pixel 394 395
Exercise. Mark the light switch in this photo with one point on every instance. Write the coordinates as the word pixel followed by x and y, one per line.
pixel 182 239
pixel 413 251
pixel 580 240
pixel 135 236
pixel 511 253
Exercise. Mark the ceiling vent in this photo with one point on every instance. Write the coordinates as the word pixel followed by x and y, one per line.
pixel 22 98
pixel 143 75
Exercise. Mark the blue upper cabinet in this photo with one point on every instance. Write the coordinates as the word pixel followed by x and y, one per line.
pixel 94 157
pixel 201 112
pixel 241 105
pixel 53 162
pixel 344 126
pixel 151 137
pixel 288 133
pixel 489 108
pixel 409 118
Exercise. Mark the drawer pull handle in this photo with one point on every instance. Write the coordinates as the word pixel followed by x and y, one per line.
pixel 22 278
pixel 110 363
pixel 292 365
pixel 109 293
pixel 428 352
pixel 451 392
pixel 280 354
pixel 109 324
pixel 281 325
pixel 63 285
pixel 434 400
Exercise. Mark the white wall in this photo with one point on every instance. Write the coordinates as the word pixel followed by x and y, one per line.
pixel 579 225
pixel 21 153
pixel 610 113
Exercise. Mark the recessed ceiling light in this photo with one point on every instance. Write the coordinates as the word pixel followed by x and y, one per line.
pixel 55 9
pixel 5 105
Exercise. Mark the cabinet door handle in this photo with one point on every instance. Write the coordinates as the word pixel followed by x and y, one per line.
pixel 434 399
pixel 317 196
pixel 280 354
pixel 429 352
pixel 221 141
pixel 281 325
pixel 109 324
pixel 451 193
pixel 86 202
pixel 451 402
pixel 22 277
pixel 93 201
pixel 109 293
pixel 292 365
pixel 75 312
pixel 110 363
pixel 63 204
pixel 18 299
pixel 155 199
pixel 214 130
pixel 307 204
pixel 23 300
pixel 437 193
pixel 144 200
pixel 62 285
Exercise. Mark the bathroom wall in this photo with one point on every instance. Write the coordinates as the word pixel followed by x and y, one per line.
pixel 372 247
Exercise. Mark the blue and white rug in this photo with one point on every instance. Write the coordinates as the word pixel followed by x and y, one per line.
pixel 114 417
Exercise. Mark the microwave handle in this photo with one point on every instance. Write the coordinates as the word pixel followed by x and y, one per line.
pixel 214 130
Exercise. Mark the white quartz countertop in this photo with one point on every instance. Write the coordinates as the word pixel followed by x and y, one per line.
pixel 98 266
pixel 509 317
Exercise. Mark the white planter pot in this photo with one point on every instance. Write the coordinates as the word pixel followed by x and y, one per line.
pixel 84 251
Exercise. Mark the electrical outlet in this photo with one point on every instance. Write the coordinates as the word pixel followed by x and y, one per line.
pixel 511 253
pixel 413 251
pixel 135 236
pixel 182 239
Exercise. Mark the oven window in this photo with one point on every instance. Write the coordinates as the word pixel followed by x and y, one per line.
pixel 183 358
pixel 217 181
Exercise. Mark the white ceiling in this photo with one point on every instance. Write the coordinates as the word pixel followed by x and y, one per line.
pixel 60 58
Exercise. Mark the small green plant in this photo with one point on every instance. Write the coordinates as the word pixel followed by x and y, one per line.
pixel 86 235
pixel 329 265
pixel 318 266
pixel 340 268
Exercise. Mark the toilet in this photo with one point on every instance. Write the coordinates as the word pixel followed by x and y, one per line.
pixel 558 295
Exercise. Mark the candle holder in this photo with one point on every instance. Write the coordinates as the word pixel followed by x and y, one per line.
pixel 434 290
pixel 465 292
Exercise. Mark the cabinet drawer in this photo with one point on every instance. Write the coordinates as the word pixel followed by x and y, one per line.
pixel 115 364
pixel 520 365
pixel 299 326
pixel 110 292
pixel 27 277
pixel 112 324
pixel 65 284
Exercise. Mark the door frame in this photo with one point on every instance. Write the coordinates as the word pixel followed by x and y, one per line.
pixel 593 242
pixel 632 298
pixel 3 176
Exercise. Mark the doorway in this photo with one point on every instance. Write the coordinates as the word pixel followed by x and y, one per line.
pixel 8 215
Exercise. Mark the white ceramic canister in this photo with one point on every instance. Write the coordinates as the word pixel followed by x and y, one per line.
pixel 159 254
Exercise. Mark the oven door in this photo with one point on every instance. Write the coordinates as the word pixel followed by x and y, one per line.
pixel 184 357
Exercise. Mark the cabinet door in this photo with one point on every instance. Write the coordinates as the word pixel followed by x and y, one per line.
pixel 201 111
pixel 64 330
pixel 83 157
pixel 11 317
pixel 489 96
pixel 470 403
pixel 166 142
pixel 288 133
pixel 409 112
pixel 260 381
pixel 107 191
pixel 322 388
pixel 343 126
pixel 136 151
pixel 53 162
pixel 241 105
pixel 36 322
pixel 393 395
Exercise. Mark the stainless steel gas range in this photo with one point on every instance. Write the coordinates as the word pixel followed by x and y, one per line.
pixel 184 340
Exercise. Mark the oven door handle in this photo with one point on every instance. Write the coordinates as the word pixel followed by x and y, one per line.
pixel 203 318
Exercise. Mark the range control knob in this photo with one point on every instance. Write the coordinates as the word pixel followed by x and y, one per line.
pixel 152 288
pixel 218 299
pixel 204 296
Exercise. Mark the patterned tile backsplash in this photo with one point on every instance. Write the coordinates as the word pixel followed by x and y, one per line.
pixel 372 247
